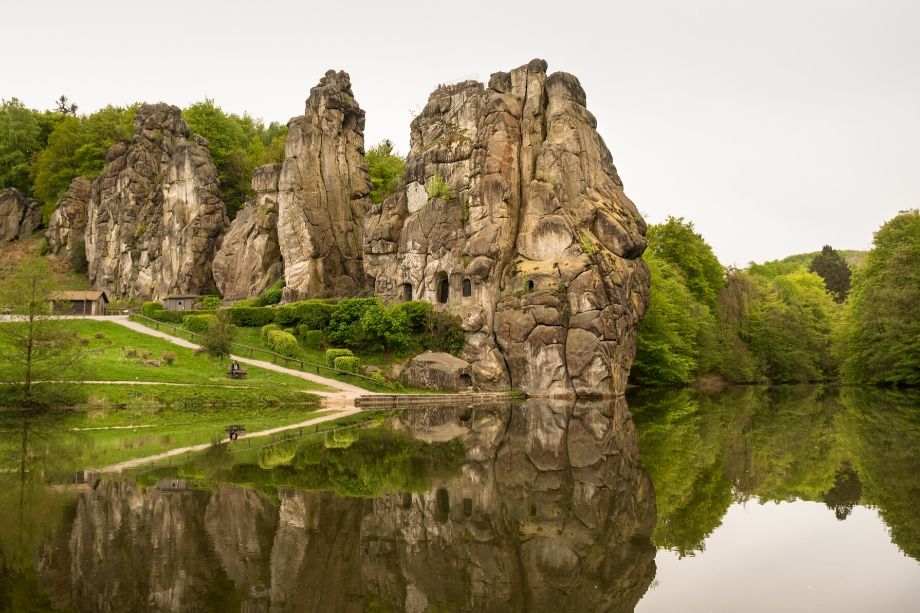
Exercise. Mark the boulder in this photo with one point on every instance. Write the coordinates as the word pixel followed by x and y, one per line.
pixel 19 216
pixel 323 192
pixel 68 221
pixel 513 217
pixel 437 371
pixel 155 216
pixel 249 258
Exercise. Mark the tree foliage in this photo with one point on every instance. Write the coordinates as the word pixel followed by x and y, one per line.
pixel 386 168
pixel 676 242
pixel 879 341
pixel 23 133
pixel 220 335
pixel 835 271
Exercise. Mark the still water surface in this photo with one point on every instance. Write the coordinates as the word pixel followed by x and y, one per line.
pixel 787 499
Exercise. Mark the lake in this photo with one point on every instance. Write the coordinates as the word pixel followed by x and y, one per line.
pixel 800 498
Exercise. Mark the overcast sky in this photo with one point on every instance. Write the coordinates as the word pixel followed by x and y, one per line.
pixel 775 126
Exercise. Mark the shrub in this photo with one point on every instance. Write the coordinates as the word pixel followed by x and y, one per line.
pixel 251 317
pixel 210 303
pixel 417 313
pixel 255 301
pixel 150 308
pixel 130 352
pixel 378 377
pixel 282 342
pixel 438 188
pixel 344 328
pixel 100 336
pixel 312 313
pixel 313 339
pixel 84 340
pixel 273 294
pixel 168 357
pixel 198 323
pixel 348 363
pixel 384 327
pixel 264 330
pixel 444 333
pixel 218 341
pixel 332 354
pixel 172 317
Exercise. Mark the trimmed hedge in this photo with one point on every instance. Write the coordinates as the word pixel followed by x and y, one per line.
pixel 348 363
pixel 282 342
pixel 198 323
pixel 264 330
pixel 251 317
pixel 312 313
pixel 174 317
pixel 332 354
pixel 150 308
pixel 314 339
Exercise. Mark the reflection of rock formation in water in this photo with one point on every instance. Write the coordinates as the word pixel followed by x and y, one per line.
pixel 550 511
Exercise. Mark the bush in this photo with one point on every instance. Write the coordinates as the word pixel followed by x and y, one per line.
pixel 173 317
pixel 282 342
pixel 210 303
pixel 251 317
pixel 312 313
pixel 444 333
pixel 221 334
pixel 255 301
pixel 438 188
pixel 130 352
pixel 417 313
pixel 378 378
pixel 150 308
pixel 344 325
pixel 198 323
pixel 264 330
pixel 384 327
pixel 168 357
pixel 348 363
pixel 314 339
pixel 332 354
pixel 273 294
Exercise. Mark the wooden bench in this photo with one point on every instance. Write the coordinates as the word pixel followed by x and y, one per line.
pixel 240 374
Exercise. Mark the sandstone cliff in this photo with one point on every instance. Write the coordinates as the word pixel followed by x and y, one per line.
pixel 514 218
pixel 323 194
pixel 155 216
pixel 68 221
pixel 249 258
pixel 19 216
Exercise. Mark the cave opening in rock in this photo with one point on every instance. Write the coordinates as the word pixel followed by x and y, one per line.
pixel 406 291
pixel 467 288
pixel 528 285
pixel 465 380
pixel 443 289
pixel 441 505
pixel 467 507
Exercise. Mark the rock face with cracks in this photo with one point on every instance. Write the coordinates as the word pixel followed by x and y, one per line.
pixel 323 193
pixel 68 221
pixel 19 216
pixel 155 216
pixel 249 259
pixel 514 218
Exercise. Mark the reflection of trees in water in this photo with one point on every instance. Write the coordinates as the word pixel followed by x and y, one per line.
pixel 780 444
pixel 541 507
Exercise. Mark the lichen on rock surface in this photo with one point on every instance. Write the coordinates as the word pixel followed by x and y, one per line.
pixel 514 218
pixel 249 258
pixel 155 216
pixel 68 221
pixel 323 194
pixel 19 216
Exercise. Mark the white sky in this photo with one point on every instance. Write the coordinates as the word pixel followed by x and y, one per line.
pixel 776 126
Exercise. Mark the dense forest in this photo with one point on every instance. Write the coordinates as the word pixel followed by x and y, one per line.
pixel 826 316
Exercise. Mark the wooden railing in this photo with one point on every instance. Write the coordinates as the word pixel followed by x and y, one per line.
pixel 287 361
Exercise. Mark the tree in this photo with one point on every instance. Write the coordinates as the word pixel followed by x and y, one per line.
pixel 879 341
pixel 386 168
pixel 219 338
pixel 35 347
pixel 66 109
pixel 834 270
pixel 677 243
pixel 20 139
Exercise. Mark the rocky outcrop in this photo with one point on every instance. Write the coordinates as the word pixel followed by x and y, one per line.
pixel 155 216
pixel 437 371
pixel 68 221
pixel 323 193
pixel 249 259
pixel 19 216
pixel 514 218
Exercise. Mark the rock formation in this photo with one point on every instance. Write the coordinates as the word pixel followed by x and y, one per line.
pixel 513 217
pixel 249 258
pixel 68 221
pixel 155 216
pixel 19 216
pixel 323 194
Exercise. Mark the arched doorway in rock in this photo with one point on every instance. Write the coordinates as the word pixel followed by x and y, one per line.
pixel 528 285
pixel 467 288
pixel 443 288
pixel 441 505
pixel 465 380
pixel 405 290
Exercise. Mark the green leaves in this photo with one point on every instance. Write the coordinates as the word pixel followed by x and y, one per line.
pixel 386 168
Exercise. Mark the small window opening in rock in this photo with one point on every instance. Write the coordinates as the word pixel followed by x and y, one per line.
pixel 528 285
pixel 467 507
pixel 405 501
pixel 406 291
pixel 467 288
pixel 443 290
pixel 441 505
